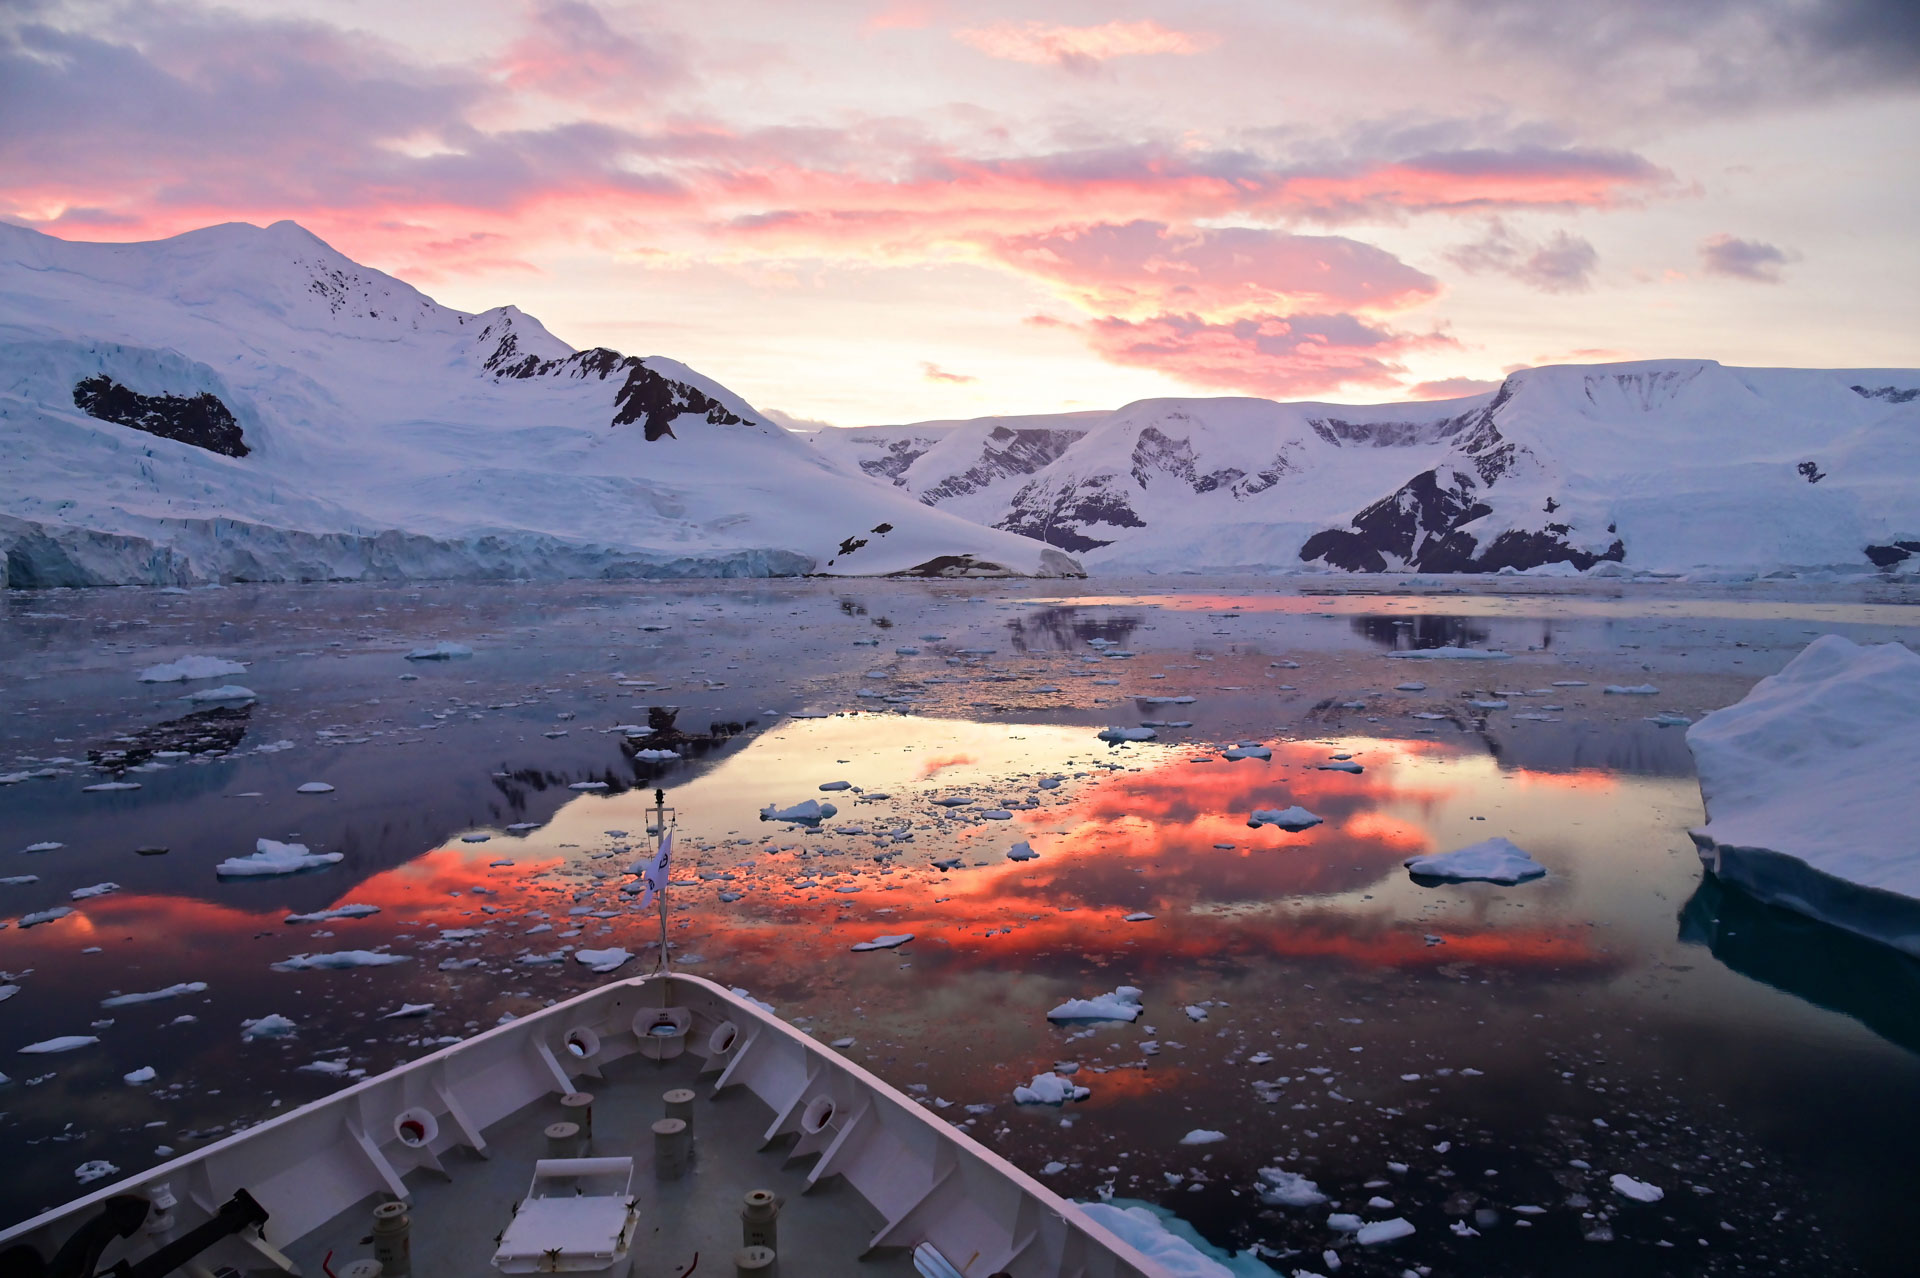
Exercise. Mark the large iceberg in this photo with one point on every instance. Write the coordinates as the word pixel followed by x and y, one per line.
pixel 1808 785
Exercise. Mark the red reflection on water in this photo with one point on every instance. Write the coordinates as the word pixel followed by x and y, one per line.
pixel 942 762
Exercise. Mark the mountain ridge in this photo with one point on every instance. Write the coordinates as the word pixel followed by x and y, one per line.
pixel 247 403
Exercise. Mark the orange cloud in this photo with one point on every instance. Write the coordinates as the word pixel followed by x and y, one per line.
pixel 1081 48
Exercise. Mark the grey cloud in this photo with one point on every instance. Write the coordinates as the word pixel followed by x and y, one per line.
pixel 1562 263
pixel 1744 259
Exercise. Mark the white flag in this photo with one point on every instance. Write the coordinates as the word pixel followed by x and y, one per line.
pixel 655 874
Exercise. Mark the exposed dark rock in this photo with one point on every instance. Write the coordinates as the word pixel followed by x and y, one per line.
pixel 955 566
pixel 1060 517
pixel 852 544
pixel 901 453
pixel 882 529
pixel 1889 555
pixel 1892 394
pixel 1812 471
pixel 645 395
pixel 1421 526
pixel 1155 450
pixel 201 420
pixel 1389 434
pixel 1007 452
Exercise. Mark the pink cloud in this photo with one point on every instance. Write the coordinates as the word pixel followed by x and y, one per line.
pixel 934 373
pixel 1149 266
pixel 1081 48
pixel 1283 356
pixel 570 50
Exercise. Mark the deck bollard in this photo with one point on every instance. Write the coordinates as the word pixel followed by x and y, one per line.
pixel 754 1262
pixel 392 1239
pixel 577 1107
pixel 563 1140
pixel 680 1105
pixel 760 1219
pixel 669 1149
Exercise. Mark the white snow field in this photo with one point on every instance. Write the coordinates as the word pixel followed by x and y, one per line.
pixel 1658 465
pixel 1808 783
pixel 240 403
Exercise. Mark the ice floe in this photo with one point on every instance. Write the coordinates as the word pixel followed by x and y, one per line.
pixel 1127 734
pixel 97 1169
pixel 43 847
pixel 883 942
pixel 1203 1136
pixel 338 959
pixel 1279 1187
pixel 442 651
pixel 194 667
pixel 1451 654
pixel 1049 1089
pixel 1493 860
pixel 337 912
pixel 602 960
pixel 1293 818
pixel 225 692
pixel 1638 1190
pixel 314 787
pixel 272 857
pixel 98 889
pixel 155 996
pixel 1175 1249
pixel 65 1043
pixel 809 811
pixel 272 1025
pixel 1021 851
pixel 1633 690
pixel 1121 1005
pixel 47 915
pixel 145 1074
pixel 408 1011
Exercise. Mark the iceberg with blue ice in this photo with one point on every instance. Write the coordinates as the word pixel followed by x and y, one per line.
pixel 1808 783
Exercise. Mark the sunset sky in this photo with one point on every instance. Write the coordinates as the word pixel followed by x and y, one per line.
pixel 860 211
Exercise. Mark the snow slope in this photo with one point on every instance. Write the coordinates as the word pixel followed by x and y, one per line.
pixel 247 403
pixel 1663 465
pixel 1808 784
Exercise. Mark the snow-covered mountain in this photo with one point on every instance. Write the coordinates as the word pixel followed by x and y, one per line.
pixel 247 403
pixel 1659 465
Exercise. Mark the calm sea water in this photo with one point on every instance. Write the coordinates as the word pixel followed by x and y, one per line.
pixel 1482 1058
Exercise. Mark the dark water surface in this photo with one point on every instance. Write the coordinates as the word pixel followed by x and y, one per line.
pixel 1452 1050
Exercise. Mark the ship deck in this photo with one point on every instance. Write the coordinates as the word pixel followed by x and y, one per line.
pixel 456 1219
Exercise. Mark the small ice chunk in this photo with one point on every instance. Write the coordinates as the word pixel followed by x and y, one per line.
pixel 1412 685
pixel 442 651
pixel 809 812
pixel 43 847
pixel 1247 750
pixel 1050 1089
pixel 1492 860
pixel 408 1011
pixel 836 785
pixel 65 1043
pixel 1138 916
pixel 1195 1012
pixel 314 787
pixel 996 814
pixel 1293 818
pixel 1022 851
pixel 1451 653
pixel 271 857
pixel 1632 690
pixel 273 1025
pixel 1382 1231
pixel 1202 1136
pixel 1638 1190
pixel 191 668
pixel 1668 719
pixel 109 787
pixel 1121 1005
pixel 883 942
pixel 1341 765
pixel 98 889
pixel 144 1074
pixel 602 960
pixel 1127 734
pixel 98 1169
pixel 47 915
